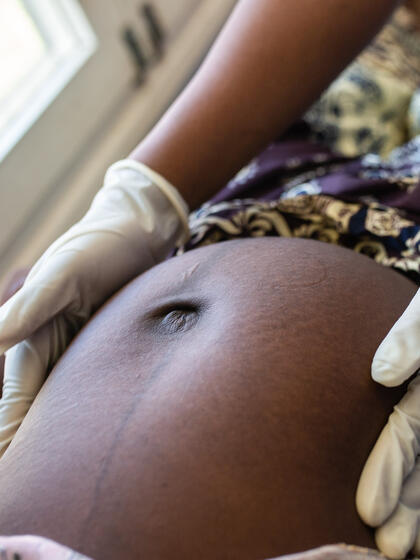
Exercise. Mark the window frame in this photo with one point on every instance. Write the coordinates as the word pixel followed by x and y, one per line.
pixel 47 80
pixel 49 179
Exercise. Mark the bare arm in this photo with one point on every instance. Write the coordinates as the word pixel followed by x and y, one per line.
pixel 269 63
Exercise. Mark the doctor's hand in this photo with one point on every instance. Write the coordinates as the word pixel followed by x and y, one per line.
pixel 134 221
pixel 12 285
pixel 388 495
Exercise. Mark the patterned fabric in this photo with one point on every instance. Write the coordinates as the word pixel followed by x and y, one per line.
pixel 297 188
pixel 309 183
pixel 373 106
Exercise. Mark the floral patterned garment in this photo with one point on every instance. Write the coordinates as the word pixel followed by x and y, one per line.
pixel 316 181
pixel 298 188
pixel 374 105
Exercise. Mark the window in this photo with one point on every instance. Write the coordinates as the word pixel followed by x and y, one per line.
pixel 73 102
pixel 42 45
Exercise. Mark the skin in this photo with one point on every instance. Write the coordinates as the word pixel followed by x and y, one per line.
pixel 270 62
pixel 214 408
pixel 330 37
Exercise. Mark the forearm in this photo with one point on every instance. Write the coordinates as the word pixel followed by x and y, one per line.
pixel 269 63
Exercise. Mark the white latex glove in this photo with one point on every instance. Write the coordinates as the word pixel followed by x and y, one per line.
pixel 136 218
pixel 30 547
pixel 388 495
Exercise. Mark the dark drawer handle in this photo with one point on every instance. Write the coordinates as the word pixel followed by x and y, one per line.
pixel 154 26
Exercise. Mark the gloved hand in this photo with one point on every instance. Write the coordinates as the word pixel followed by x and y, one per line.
pixel 136 218
pixel 13 284
pixel 388 494
pixel 30 547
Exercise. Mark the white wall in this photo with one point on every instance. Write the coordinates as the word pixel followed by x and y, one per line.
pixel 70 189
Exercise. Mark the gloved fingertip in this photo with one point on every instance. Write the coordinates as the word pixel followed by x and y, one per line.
pixel 390 548
pixel 375 501
pixel 387 374
pixel 370 511
pixel 397 536
pixel 366 513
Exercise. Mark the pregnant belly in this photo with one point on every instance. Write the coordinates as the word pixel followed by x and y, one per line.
pixel 219 406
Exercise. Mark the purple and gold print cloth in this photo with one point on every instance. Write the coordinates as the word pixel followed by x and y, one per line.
pixel 300 188
pixel 348 173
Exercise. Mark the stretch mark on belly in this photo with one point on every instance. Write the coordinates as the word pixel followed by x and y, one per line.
pixel 84 534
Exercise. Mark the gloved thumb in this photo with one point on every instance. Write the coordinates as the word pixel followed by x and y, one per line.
pixel 398 356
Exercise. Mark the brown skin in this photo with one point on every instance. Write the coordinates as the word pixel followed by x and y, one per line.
pixel 208 117
pixel 220 406
pixel 269 63
pixel 414 6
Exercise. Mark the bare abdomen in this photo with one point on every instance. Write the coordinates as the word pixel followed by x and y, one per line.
pixel 240 437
